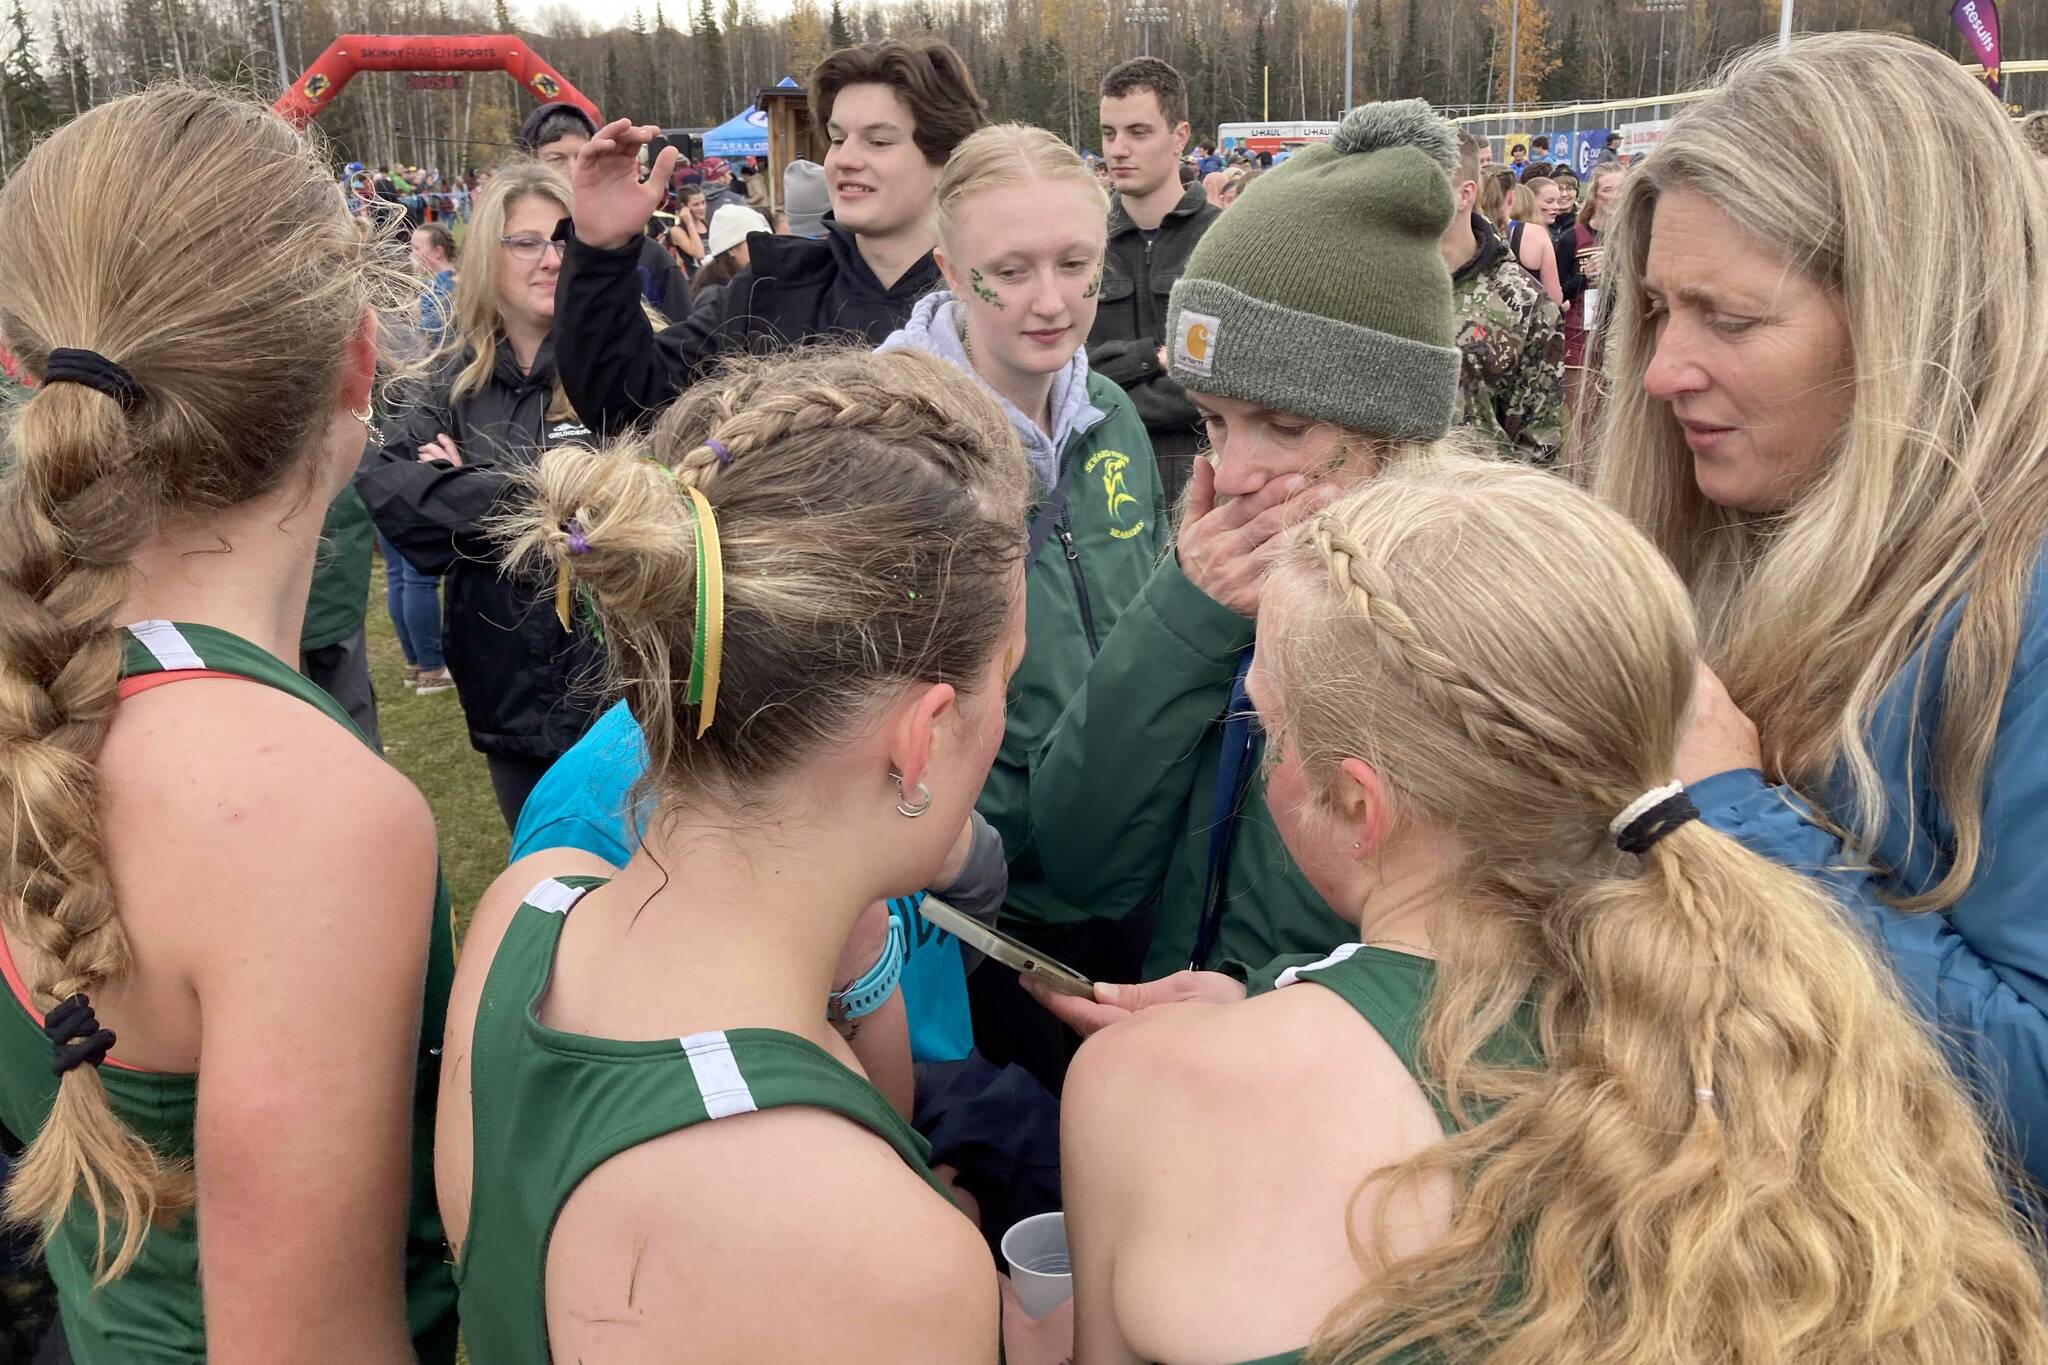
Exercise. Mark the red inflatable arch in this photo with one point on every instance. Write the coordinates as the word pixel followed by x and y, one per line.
pixel 319 83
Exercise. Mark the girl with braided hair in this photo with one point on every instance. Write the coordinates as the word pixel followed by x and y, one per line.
pixel 812 595
pixel 1594 1082
pixel 212 1032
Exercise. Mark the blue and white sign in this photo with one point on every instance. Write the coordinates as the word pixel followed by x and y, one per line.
pixel 1586 155
pixel 1561 147
pixel 744 134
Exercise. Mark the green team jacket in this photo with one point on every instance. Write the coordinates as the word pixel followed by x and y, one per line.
pixel 1093 565
pixel 1124 792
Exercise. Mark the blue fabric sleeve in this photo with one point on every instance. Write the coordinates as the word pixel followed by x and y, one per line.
pixel 541 828
pixel 1979 971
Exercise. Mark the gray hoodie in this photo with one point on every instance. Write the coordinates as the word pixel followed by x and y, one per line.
pixel 935 328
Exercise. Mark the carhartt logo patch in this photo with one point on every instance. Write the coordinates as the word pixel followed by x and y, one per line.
pixel 1194 346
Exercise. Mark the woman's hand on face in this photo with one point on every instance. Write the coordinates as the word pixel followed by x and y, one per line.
pixel 442 447
pixel 1718 737
pixel 1113 1003
pixel 1224 548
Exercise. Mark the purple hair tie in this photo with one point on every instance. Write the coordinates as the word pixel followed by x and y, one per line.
pixel 577 544
pixel 718 449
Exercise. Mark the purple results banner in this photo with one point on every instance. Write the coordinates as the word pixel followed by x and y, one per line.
pixel 1978 19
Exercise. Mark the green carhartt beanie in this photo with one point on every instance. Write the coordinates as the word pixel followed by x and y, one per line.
pixel 1321 291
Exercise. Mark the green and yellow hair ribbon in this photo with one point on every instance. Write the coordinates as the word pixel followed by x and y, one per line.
pixel 708 646
pixel 562 593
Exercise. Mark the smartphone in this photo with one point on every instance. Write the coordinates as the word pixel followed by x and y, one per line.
pixel 1006 950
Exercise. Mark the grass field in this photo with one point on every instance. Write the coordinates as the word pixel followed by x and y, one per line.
pixel 425 738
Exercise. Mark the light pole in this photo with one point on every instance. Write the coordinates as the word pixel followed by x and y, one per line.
pixel 1349 7
pixel 1785 24
pixel 1514 47
pixel 1148 15
pixel 284 75
pixel 1662 9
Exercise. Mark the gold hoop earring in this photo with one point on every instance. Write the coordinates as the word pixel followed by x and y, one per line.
pixel 369 426
pixel 903 806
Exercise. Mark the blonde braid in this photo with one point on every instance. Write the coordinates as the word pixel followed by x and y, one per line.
pixel 852 494
pixel 69 518
pixel 1524 735
pixel 1527 736
pixel 744 427
pixel 264 261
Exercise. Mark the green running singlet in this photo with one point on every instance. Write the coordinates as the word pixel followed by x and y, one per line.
pixel 1390 990
pixel 548 1108
pixel 154 1315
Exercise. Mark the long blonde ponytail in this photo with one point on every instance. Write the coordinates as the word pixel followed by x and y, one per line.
pixel 1740 1144
pixel 233 315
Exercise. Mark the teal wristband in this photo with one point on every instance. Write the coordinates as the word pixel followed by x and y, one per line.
pixel 878 983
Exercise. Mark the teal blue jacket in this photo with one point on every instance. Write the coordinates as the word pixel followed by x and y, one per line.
pixel 1978 972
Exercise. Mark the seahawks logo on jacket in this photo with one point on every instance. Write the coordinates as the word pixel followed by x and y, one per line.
pixel 1115 493
pixel 565 433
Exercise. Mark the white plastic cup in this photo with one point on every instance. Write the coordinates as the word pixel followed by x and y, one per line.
pixel 1039 1269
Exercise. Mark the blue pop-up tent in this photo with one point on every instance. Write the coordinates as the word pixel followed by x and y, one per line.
pixel 744 134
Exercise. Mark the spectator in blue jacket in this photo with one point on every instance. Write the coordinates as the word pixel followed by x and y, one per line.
pixel 433 260
pixel 1849 465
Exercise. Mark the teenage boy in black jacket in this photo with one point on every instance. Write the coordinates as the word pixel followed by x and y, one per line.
pixel 894 112
pixel 553 134
pixel 1154 222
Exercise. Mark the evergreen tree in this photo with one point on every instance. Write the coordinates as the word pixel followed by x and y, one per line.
pixel 1196 70
pixel 1408 74
pixel 1374 86
pixel 839 34
pixel 1260 60
pixel 67 100
pixel 1563 79
pixel 22 87
pixel 501 17
pixel 996 90
pixel 613 82
pixel 711 53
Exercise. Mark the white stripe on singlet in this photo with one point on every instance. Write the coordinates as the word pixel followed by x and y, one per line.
pixel 555 897
pixel 718 1075
pixel 167 644
pixel 1292 976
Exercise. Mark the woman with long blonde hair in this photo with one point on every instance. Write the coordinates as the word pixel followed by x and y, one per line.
pixel 454 446
pixel 1593 1082
pixel 1849 466
pixel 224 948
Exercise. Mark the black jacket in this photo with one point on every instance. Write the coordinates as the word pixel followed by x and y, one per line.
pixel 661 280
pixel 1130 324
pixel 528 688
pixel 1562 239
pixel 618 370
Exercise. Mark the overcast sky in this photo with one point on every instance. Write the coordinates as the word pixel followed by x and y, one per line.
pixel 608 12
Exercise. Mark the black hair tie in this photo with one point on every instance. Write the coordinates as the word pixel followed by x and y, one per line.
pixel 76 1036
pixel 69 365
pixel 1651 816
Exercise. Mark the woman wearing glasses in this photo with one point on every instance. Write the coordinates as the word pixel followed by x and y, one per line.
pixel 487 408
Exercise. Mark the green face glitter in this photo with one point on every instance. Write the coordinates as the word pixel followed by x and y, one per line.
pixel 982 290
